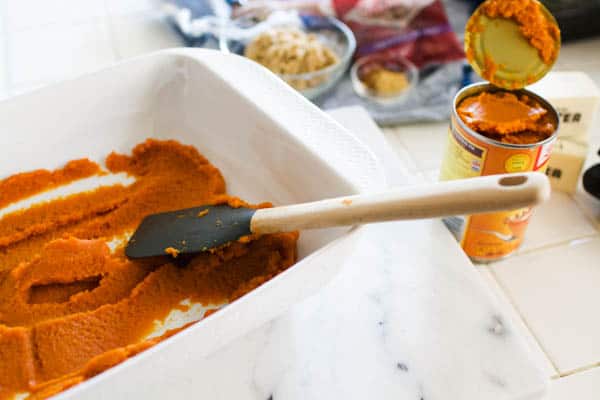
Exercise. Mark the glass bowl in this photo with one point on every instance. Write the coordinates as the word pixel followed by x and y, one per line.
pixel 330 31
pixel 397 64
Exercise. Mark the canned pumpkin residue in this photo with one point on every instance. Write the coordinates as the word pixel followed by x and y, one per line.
pixel 507 117
pixel 500 127
pixel 535 27
pixel 494 131
pixel 512 43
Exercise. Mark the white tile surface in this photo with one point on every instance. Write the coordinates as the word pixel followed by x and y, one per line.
pixel 432 175
pixel 537 353
pixel 57 51
pixel 425 142
pixel 557 221
pixel 21 14
pixel 557 293
pixel 593 151
pixel 136 34
pixel 589 205
pixel 581 386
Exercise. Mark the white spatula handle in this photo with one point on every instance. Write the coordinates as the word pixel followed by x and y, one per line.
pixel 459 197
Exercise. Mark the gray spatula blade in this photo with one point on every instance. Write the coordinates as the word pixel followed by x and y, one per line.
pixel 191 230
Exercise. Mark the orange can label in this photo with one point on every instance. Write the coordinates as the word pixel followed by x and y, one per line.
pixel 487 237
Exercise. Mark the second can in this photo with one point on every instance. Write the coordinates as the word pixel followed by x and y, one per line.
pixel 488 237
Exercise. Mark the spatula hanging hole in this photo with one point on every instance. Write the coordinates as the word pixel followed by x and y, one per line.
pixel 513 180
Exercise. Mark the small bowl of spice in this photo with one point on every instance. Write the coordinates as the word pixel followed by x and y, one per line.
pixel 384 81
pixel 311 57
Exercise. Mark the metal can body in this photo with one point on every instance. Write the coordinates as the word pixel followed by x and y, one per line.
pixel 488 237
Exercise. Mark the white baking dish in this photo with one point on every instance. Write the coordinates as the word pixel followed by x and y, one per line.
pixel 268 141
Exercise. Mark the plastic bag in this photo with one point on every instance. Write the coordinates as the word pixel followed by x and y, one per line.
pixel 416 30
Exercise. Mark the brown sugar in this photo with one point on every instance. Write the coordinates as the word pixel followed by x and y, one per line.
pixel 70 308
pixel 291 51
pixel 383 81
pixel 508 117
pixel 542 33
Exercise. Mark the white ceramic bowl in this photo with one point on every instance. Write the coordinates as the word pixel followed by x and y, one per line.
pixel 269 142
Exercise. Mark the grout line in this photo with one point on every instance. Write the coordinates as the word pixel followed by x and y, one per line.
pixel 577 370
pixel 396 142
pixel 558 244
pixel 525 323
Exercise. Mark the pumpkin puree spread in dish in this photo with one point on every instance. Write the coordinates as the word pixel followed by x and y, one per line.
pixel 507 117
pixel 69 306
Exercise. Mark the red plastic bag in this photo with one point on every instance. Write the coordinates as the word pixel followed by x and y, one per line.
pixel 417 30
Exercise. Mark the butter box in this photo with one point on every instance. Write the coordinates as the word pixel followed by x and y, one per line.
pixel 566 162
pixel 576 97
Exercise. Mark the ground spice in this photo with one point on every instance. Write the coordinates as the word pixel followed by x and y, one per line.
pixel 507 117
pixel 69 308
pixel 383 81
pixel 541 32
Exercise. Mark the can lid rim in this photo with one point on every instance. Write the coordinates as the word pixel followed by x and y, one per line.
pixel 534 69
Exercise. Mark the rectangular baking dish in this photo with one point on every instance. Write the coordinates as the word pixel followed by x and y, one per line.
pixel 269 142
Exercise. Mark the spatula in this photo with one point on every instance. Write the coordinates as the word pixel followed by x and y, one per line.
pixel 202 228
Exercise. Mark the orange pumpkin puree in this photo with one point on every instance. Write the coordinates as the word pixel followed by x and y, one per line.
pixel 28 183
pixel 507 117
pixel 172 251
pixel 69 307
pixel 542 33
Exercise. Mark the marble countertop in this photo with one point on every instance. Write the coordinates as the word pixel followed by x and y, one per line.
pixel 407 318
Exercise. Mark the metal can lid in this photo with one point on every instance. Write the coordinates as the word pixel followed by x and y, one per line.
pixel 509 48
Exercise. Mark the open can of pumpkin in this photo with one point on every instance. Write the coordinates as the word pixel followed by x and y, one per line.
pixel 499 127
